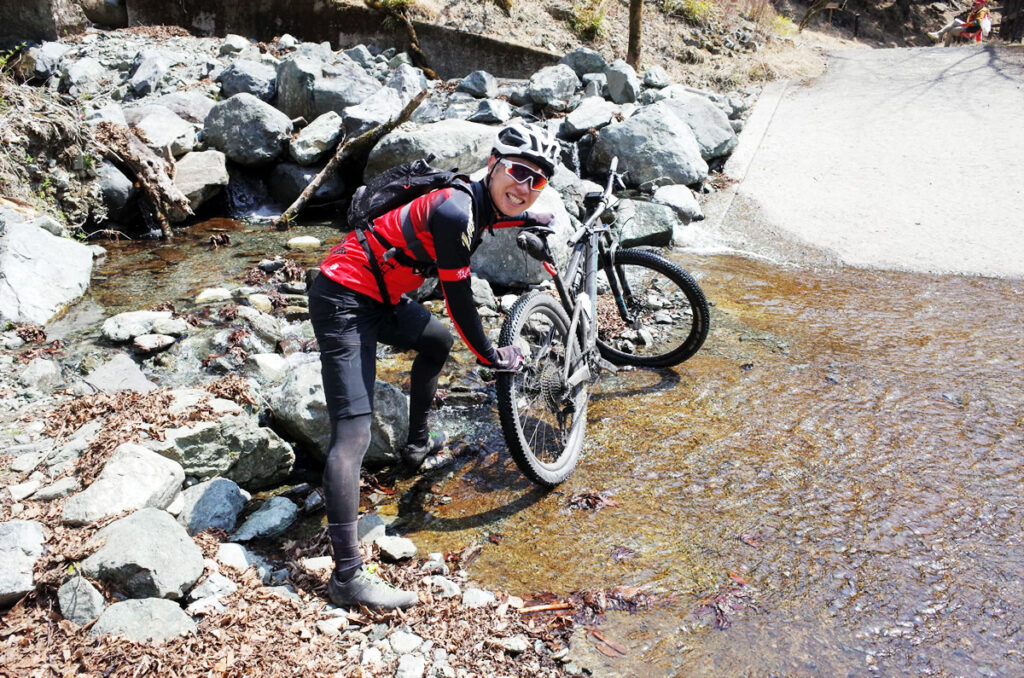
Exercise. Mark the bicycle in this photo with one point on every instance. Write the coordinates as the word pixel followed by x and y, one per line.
pixel 614 307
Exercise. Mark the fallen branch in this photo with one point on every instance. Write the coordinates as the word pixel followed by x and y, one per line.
pixel 155 175
pixel 546 608
pixel 352 147
pixel 398 12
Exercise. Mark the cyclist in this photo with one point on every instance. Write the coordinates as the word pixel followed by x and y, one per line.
pixel 976 27
pixel 356 302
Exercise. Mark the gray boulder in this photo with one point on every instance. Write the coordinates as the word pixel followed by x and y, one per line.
pixel 592 113
pixel 43 61
pixel 274 517
pixel 249 77
pixel 655 148
pixel 553 86
pixel 140 621
pixel 479 84
pixel 84 76
pixel 583 61
pixel 343 85
pixel 595 85
pixel 212 504
pixel 163 129
pixel 234 44
pixel 288 180
pixel 133 478
pixel 118 190
pixel 361 55
pixel 645 223
pixel 499 261
pixel 146 555
pixel 375 110
pixel 21 545
pixel 316 139
pixel 623 84
pixel 657 77
pixel 41 374
pixel 234 446
pixel 201 175
pixel 408 81
pixel 300 410
pixel 120 373
pixel 248 131
pixel 492 112
pixel 106 13
pixel 709 123
pixel 150 67
pixel 295 79
pixel 130 324
pixel 80 602
pixel 191 105
pixel 681 199
pixel 40 273
pixel 454 143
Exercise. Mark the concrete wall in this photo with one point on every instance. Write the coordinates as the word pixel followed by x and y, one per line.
pixel 451 54
pixel 37 20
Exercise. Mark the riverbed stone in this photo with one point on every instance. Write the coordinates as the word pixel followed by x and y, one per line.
pixel 395 548
pixel 247 130
pixel 408 81
pixel 42 273
pixel 234 446
pixel 288 180
pixel 274 517
pixel 149 69
pixel 63 457
pixel 119 373
pixel 553 86
pixel 201 175
pixel 21 545
pixel 80 602
pixel 249 77
pixel 380 107
pixel 474 597
pixel 146 554
pixel 655 148
pixel 148 344
pixel 623 83
pixel 214 504
pixel 237 556
pixel 265 326
pixel 43 61
pixel 709 123
pixel 84 76
pixel 492 112
pixel 593 113
pixel 317 139
pixel 118 190
pixel 657 77
pixel 444 587
pixel 213 295
pixel 682 200
pixel 133 478
pixel 341 88
pixel 61 487
pixel 267 368
pixel 296 76
pixel 480 84
pixel 645 223
pixel 404 642
pixel 215 584
pixel 148 619
pixel 454 143
pixel 300 410
pixel 41 374
pixel 583 60
pixel 130 324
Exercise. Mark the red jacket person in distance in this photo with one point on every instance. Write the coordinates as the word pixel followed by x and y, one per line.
pixel 350 314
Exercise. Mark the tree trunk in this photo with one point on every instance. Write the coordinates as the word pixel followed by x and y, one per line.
pixel 636 15
pixel 1011 26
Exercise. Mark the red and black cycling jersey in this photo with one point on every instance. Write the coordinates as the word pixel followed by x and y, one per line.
pixel 448 224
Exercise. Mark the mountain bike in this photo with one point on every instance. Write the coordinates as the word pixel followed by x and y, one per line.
pixel 610 307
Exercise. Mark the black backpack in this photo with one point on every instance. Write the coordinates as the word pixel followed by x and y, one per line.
pixel 394 188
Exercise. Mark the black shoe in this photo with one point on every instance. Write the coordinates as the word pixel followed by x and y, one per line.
pixel 413 456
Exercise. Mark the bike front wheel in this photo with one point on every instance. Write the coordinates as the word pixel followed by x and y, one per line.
pixel 543 407
pixel 650 312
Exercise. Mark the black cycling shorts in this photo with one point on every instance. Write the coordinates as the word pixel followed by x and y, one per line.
pixel 348 325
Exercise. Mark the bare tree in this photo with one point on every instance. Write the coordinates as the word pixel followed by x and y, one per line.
pixel 636 15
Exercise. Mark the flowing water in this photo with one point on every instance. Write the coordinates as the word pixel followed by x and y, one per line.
pixel 832 486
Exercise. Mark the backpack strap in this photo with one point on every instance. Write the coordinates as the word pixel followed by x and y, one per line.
pixel 412 240
pixel 378 275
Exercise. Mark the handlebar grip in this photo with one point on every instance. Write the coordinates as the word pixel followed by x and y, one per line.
pixel 533 245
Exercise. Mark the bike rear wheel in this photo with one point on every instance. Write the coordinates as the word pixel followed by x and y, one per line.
pixel 663 318
pixel 543 412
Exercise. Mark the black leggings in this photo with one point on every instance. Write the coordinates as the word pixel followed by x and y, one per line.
pixel 348 333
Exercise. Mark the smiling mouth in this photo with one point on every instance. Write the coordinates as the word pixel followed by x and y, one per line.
pixel 514 200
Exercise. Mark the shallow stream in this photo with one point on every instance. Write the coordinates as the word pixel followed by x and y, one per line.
pixel 832 486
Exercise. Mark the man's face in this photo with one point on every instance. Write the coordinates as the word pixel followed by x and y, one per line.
pixel 511 197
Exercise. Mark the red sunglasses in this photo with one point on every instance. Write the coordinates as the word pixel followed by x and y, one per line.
pixel 522 173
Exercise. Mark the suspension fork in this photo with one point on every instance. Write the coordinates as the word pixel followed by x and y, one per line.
pixel 620 288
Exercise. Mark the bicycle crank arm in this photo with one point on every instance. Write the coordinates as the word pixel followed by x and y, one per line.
pixel 578 377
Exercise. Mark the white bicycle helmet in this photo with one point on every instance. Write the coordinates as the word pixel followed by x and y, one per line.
pixel 536 144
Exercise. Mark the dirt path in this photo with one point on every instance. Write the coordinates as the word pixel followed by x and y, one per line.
pixel 895 158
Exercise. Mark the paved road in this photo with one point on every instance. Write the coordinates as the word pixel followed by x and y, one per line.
pixel 909 159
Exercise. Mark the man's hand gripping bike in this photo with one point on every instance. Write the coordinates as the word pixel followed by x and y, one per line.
pixel 614 307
